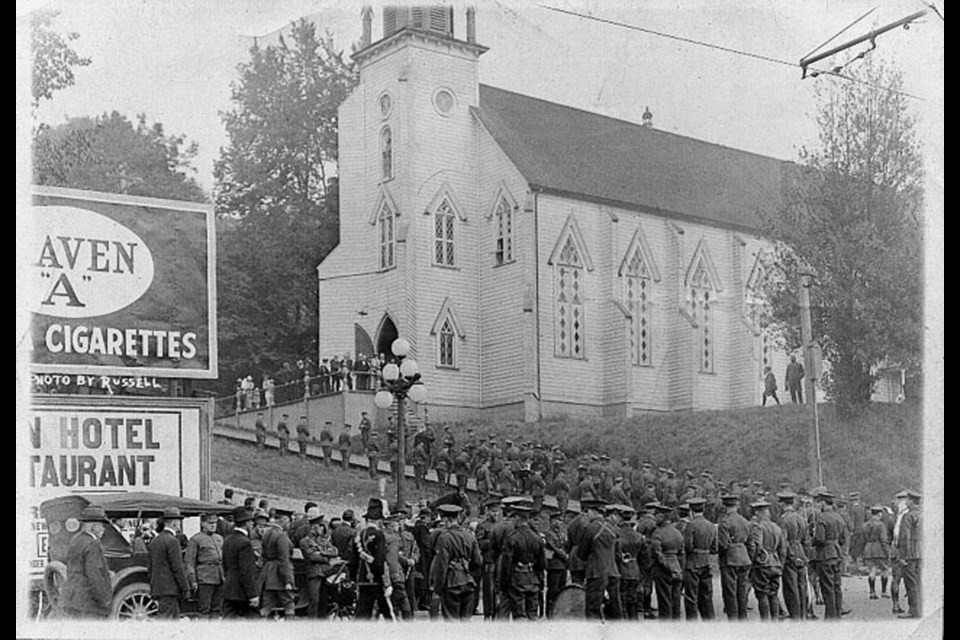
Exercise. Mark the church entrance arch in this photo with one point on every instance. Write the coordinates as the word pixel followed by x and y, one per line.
pixel 386 334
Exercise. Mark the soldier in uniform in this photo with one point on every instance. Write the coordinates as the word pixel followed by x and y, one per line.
pixel 896 569
pixel 261 432
pixel 365 426
pixel 909 546
pixel 461 467
pixel 87 592
pixel 442 464
pixel 666 548
pixel 617 494
pixel 369 562
pixel 399 560
pixel 484 533
pixel 797 533
pixel 646 525
pixel 733 532
pixel 203 560
pixel 343 444
pixel 597 547
pixel 628 563
pixel 830 534
pixel 276 574
pixel 522 565
pixel 319 554
pixel 537 486
pixel 497 537
pixel 507 481
pixel 876 550
pixel 555 543
pixel 373 455
pixel 303 437
pixel 699 543
pixel 859 516
pixel 768 549
pixel 326 442
pixel 283 432
pixel 456 558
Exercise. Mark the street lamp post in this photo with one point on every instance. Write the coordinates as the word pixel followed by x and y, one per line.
pixel 401 380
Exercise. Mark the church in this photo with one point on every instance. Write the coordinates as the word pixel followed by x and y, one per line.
pixel 540 259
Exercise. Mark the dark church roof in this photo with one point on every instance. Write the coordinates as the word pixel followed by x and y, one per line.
pixel 589 156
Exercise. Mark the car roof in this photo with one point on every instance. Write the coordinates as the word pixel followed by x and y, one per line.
pixel 131 504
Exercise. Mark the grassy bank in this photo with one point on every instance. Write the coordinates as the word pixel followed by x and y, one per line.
pixel 878 454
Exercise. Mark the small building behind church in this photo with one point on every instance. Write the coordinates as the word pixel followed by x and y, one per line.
pixel 540 259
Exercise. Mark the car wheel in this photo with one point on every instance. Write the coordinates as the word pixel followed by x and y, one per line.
pixel 133 602
pixel 54 579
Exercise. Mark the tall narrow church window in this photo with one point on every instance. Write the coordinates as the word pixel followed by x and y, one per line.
pixel 387 244
pixel 569 302
pixel 386 154
pixel 443 238
pixel 701 297
pixel 504 221
pixel 637 286
pixel 765 352
pixel 445 344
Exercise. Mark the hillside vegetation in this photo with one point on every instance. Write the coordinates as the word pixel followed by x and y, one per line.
pixel 878 454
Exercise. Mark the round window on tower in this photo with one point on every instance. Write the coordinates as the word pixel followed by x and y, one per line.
pixel 444 101
pixel 386 104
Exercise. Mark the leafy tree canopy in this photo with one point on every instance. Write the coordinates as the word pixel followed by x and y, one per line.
pixel 852 217
pixel 53 57
pixel 110 153
pixel 276 201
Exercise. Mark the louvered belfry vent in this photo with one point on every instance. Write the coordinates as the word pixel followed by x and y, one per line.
pixel 438 19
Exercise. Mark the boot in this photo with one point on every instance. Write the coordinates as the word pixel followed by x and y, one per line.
pixel 873 588
pixel 764 605
pixel 883 587
pixel 774 609
pixel 895 594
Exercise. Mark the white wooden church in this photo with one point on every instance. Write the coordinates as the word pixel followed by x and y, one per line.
pixel 540 259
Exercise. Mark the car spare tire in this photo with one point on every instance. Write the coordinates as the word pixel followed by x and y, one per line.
pixel 54 579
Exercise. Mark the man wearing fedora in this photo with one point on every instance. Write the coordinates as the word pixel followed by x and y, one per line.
pixel 87 592
pixel 369 562
pixel 240 591
pixel 165 568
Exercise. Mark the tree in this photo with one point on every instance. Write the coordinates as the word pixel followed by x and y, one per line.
pixel 277 209
pixel 53 57
pixel 852 217
pixel 110 153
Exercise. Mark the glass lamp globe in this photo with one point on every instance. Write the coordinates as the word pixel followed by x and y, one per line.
pixel 383 399
pixel 417 393
pixel 400 347
pixel 409 368
pixel 391 372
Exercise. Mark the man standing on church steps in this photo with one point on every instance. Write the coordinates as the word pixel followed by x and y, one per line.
pixel 793 379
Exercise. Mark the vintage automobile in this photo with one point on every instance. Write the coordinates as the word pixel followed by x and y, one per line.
pixel 128 567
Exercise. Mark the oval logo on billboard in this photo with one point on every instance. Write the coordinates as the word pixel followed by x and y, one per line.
pixel 85 264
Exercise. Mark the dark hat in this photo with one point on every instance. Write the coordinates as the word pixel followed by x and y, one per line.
pixel 704 474
pixel 348 516
pixel 524 507
pixel 647 464
pixel 314 515
pixel 915 495
pixel 376 509
pixel 492 500
pixel 277 511
pixel 757 483
pixel 425 511
pixel 877 508
pixel 450 509
pixel 729 498
pixel 93 514
pixel 697 504
pixel 592 503
pixel 759 504
pixel 550 503
pixel 573 507
pixel 901 494
pixel 689 473
pixel 605 457
pixel 786 496
pixel 397 510
pixel 260 514
pixel 853 495
pixel 242 514
pixel 826 496
pixel 684 508
pixel 816 491
pixel 286 415
pixel 652 505
pixel 172 513
pixel 618 479
pixel 663 508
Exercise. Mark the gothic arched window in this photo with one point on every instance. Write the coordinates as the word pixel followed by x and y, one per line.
pixel 637 289
pixel 504 221
pixel 702 297
pixel 387 241
pixel 568 270
pixel 445 345
pixel 443 234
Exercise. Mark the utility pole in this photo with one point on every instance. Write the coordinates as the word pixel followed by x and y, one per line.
pixel 811 372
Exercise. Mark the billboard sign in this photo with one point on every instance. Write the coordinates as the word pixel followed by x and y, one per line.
pixel 84 445
pixel 121 285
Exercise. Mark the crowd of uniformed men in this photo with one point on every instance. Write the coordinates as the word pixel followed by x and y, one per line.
pixel 621 534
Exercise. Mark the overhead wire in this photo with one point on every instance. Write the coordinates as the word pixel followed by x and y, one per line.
pixel 815 72
pixel 839 33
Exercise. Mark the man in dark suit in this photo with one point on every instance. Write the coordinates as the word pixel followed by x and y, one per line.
pixel 87 592
pixel 165 568
pixel 240 597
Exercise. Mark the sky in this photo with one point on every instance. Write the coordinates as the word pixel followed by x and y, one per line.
pixel 174 61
